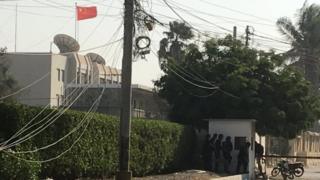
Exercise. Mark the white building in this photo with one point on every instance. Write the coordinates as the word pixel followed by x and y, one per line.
pixel 55 71
pixel 241 131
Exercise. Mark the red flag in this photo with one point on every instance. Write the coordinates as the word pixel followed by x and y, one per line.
pixel 86 12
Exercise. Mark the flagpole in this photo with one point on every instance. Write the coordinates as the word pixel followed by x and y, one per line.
pixel 15 29
pixel 75 21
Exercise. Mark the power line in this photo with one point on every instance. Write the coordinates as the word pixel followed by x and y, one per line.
pixel 27 126
pixel 46 124
pixel 72 131
pixel 56 7
pixel 276 40
pixel 175 12
pixel 26 87
pixel 237 11
pixel 89 49
pixel 96 27
pixel 36 14
pixel 45 39
pixel 180 5
pixel 58 156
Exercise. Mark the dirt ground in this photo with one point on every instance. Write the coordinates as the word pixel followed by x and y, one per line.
pixel 185 175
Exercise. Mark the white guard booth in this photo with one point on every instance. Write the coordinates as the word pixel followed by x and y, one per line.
pixel 240 131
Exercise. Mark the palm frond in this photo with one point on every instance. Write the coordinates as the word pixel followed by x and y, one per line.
pixel 287 28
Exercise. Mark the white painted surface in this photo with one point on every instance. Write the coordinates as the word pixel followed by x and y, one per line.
pixel 58 86
pixel 236 128
pixel 25 69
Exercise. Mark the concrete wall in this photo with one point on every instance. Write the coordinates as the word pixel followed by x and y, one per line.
pixel 28 67
pixel 58 65
pixel 236 128
pixel 149 104
pixel 25 69
pixel 75 69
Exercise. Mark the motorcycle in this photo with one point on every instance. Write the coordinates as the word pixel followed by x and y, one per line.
pixel 290 170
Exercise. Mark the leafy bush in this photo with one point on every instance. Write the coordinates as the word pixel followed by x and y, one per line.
pixel 156 146
pixel 13 168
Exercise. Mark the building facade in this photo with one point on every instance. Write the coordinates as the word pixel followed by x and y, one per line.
pixel 54 78
pixel 145 103
pixel 58 71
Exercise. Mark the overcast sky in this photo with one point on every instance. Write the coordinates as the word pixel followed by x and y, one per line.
pixel 39 20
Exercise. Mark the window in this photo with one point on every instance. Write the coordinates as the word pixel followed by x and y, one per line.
pixel 84 78
pixel 62 75
pixel 58 100
pixel 58 71
pixel 78 77
pixel 134 104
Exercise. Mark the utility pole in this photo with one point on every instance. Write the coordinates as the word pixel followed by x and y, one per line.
pixel 234 38
pixel 247 36
pixel 248 33
pixel 126 93
pixel 234 33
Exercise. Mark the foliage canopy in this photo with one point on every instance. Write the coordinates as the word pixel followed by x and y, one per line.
pixel 225 79
pixel 305 40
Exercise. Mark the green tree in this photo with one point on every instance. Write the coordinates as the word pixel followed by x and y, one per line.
pixel 7 83
pixel 227 80
pixel 305 40
pixel 173 45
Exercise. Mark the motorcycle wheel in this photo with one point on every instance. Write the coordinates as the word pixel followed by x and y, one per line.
pixel 275 171
pixel 298 172
pixel 290 176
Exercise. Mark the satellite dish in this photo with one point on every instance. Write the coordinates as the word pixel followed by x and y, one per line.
pixel 96 58
pixel 66 43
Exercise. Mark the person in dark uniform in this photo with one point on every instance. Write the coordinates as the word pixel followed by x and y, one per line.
pixel 217 152
pixel 243 157
pixel 207 154
pixel 226 152
pixel 212 147
pixel 259 150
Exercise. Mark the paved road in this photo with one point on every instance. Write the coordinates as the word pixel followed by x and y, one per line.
pixel 309 174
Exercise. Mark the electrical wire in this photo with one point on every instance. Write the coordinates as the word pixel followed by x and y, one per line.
pixel 175 12
pixel 58 156
pixel 235 20
pixel 36 14
pixel 197 85
pixel 89 49
pixel 237 11
pixel 114 36
pixel 53 6
pixel 27 127
pixel 96 27
pixel 26 87
pixel 71 132
pixel 45 125
pixel 45 39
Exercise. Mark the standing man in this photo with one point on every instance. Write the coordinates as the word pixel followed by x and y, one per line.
pixel 212 148
pixel 259 150
pixel 217 152
pixel 207 154
pixel 226 152
pixel 243 157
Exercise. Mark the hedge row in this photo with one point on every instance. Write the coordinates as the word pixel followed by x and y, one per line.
pixel 156 146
